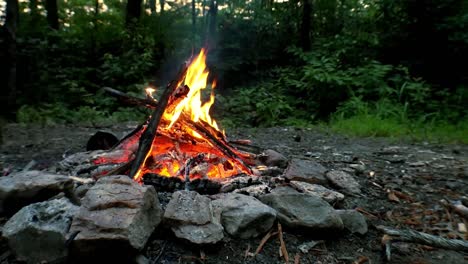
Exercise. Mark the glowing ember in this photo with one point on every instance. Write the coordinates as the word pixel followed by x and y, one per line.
pixel 180 151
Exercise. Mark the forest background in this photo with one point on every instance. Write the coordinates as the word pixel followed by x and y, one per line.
pixel 393 68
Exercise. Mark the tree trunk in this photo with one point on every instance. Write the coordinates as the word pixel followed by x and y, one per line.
pixel 133 11
pixel 305 25
pixel 161 4
pixel 52 14
pixel 11 24
pixel 34 13
pixel 210 37
pixel 152 5
pixel 194 20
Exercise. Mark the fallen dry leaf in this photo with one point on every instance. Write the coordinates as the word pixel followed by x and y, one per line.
pixel 392 197
pixel 361 260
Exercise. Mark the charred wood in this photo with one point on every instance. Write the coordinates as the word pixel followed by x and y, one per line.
pixel 147 138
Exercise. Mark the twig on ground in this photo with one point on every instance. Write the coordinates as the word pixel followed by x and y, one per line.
pixel 161 252
pixel 297 258
pixel 458 208
pixel 264 240
pixel 412 236
pixel 282 244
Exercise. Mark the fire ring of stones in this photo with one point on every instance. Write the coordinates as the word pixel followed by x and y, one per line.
pixel 107 203
pixel 58 217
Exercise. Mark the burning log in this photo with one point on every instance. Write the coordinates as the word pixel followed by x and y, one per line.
pixel 147 138
pixel 180 140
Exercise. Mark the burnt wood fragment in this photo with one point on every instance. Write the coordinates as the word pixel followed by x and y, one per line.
pixel 171 184
pixel 147 138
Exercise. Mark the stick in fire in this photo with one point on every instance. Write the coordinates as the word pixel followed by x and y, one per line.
pixel 147 138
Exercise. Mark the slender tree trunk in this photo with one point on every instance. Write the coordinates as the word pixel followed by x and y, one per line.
pixel 34 13
pixel 161 4
pixel 305 24
pixel 133 11
pixel 203 8
pixel 11 24
pixel 194 20
pixel 210 38
pixel 152 4
pixel 52 14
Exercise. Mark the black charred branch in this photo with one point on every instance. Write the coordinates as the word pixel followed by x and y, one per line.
pixel 147 138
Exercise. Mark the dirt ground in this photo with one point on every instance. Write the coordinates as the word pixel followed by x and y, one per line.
pixel 402 184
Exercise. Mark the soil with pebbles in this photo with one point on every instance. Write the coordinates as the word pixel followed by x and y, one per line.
pixel 402 183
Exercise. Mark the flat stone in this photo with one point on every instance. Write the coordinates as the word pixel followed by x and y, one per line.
pixel 254 190
pixel 353 221
pixel 191 217
pixel 188 207
pixel 344 181
pixel 210 233
pixel 273 158
pixel 38 232
pixel 302 211
pixel 22 188
pixel 244 216
pixel 305 170
pixel 117 215
pixel 326 194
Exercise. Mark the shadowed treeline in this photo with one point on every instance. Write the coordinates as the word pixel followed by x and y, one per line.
pixel 372 66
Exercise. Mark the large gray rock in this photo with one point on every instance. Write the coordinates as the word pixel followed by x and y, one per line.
pixel 302 211
pixel 38 232
pixel 23 188
pixel 117 215
pixel 244 216
pixel 353 221
pixel 190 216
pixel 273 158
pixel 305 170
pixel 344 181
pixel 328 195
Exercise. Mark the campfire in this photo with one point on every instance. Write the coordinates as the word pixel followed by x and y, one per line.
pixel 180 139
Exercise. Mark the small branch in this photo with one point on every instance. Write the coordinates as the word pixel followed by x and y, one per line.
pixel 131 100
pixel 413 236
pixel 282 244
pixel 264 240
pixel 459 208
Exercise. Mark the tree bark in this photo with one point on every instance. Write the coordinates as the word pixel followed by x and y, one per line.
pixel 34 13
pixel 11 24
pixel 52 14
pixel 152 5
pixel 161 4
pixel 194 20
pixel 133 11
pixel 305 24
pixel 210 37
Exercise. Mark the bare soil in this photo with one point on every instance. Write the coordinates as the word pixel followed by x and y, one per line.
pixel 420 174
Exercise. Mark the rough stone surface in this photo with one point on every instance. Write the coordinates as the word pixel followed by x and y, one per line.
pixel 188 207
pixel 116 215
pixel 22 188
pixel 302 211
pixel 191 218
pixel 37 232
pixel 305 170
pixel 244 216
pixel 273 158
pixel 254 190
pixel 353 221
pixel 328 195
pixel 344 181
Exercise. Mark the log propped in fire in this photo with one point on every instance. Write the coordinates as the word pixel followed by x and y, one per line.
pixel 177 138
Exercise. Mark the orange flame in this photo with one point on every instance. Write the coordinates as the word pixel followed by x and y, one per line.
pixel 196 79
